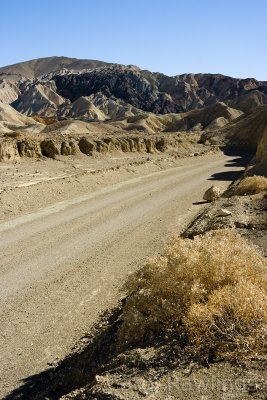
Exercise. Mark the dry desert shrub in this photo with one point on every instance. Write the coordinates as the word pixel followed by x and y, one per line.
pixel 251 185
pixel 212 289
pixel 233 322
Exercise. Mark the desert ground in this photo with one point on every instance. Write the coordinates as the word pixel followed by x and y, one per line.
pixel 65 254
pixel 132 233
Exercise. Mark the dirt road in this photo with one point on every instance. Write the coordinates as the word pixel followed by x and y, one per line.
pixel 63 265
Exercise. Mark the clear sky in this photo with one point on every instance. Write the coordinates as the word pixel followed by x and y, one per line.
pixel 169 36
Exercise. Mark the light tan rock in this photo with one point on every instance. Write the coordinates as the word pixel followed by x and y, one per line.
pixel 223 213
pixel 212 194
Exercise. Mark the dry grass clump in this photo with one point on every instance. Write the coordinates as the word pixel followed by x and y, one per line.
pixel 232 322
pixel 251 185
pixel 212 289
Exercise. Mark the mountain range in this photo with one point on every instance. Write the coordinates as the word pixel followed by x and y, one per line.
pixel 60 97
pixel 67 88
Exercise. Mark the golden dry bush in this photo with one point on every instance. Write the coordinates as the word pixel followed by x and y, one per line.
pixel 232 323
pixel 251 185
pixel 188 282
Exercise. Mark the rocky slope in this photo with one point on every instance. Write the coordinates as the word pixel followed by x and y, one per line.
pixel 208 118
pixel 9 91
pixel 10 119
pixel 258 165
pixel 243 133
pixel 249 101
pixel 40 99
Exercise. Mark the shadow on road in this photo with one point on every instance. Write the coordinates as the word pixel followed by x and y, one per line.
pixel 241 160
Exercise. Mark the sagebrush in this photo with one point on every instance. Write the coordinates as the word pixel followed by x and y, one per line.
pixel 213 289
pixel 251 185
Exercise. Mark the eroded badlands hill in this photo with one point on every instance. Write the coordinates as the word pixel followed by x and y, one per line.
pixel 69 88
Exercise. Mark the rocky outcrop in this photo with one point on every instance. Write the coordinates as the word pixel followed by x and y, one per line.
pixel 124 144
pixel 69 147
pixel 87 146
pixel 50 148
pixel 29 148
pixel 8 150
pixel 62 145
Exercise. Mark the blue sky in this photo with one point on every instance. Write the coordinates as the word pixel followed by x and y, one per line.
pixel 169 36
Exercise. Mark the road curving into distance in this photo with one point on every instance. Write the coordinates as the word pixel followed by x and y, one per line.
pixel 61 266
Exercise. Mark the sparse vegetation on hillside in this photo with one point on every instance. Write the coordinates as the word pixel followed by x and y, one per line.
pixel 211 291
pixel 251 185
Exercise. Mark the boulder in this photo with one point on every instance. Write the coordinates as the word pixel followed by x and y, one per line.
pixel 223 213
pixel 212 194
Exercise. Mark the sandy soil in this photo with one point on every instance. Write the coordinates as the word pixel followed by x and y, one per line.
pixel 70 236
pixel 31 184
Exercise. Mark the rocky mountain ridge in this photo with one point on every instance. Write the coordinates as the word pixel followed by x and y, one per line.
pixel 49 87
